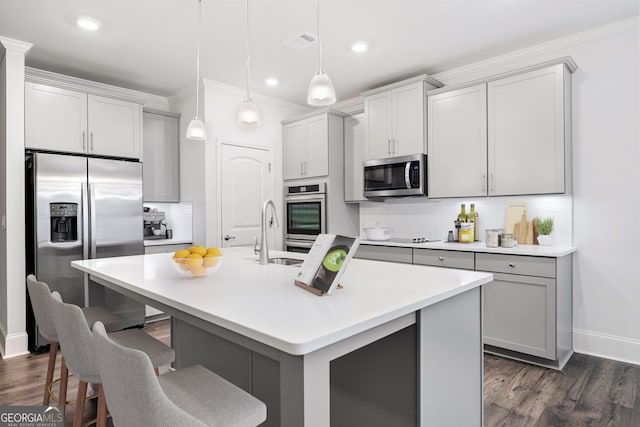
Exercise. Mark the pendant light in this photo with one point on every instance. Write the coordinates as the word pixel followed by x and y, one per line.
pixel 196 129
pixel 321 91
pixel 248 114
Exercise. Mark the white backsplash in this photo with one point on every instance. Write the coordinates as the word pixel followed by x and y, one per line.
pixel 179 218
pixel 411 217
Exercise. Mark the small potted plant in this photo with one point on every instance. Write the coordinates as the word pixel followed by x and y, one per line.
pixel 544 227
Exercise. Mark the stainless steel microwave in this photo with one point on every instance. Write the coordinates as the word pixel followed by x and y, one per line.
pixel 396 177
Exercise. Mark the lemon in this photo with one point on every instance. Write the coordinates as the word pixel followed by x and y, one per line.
pixel 184 266
pixel 199 270
pixel 197 249
pixel 210 260
pixel 194 260
pixel 214 251
pixel 182 253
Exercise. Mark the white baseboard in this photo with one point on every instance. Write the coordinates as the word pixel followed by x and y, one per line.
pixel 607 346
pixel 13 345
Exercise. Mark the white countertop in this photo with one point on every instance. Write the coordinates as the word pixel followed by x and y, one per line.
pixel 531 250
pixel 262 303
pixel 162 242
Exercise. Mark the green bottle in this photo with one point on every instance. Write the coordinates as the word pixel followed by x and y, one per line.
pixel 462 216
pixel 473 217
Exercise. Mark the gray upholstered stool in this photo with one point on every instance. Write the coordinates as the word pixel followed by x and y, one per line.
pixel 192 396
pixel 40 296
pixel 78 349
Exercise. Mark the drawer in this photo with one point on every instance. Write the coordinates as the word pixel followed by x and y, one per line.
pixel 516 264
pixel 443 258
pixel 385 253
pixel 160 249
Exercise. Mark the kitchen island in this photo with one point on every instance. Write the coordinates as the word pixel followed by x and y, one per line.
pixel 397 345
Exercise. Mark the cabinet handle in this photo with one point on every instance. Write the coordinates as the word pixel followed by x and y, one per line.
pixel 512 265
pixel 84 140
pixel 305 168
pixel 492 184
pixel 389 146
pixel 91 135
pixel 483 183
pixel 440 258
pixel 393 146
pixel 301 169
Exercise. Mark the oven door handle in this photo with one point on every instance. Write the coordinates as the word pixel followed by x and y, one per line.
pixel 297 244
pixel 305 198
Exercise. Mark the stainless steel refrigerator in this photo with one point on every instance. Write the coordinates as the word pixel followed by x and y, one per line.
pixel 81 208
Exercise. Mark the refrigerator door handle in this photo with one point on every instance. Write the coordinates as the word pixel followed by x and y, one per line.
pixel 85 221
pixel 92 213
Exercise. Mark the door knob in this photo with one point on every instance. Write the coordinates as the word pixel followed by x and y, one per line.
pixel 227 237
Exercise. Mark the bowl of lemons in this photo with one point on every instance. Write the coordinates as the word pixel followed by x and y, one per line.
pixel 197 261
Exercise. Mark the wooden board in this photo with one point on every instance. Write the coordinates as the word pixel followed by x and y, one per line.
pixel 514 215
pixel 523 230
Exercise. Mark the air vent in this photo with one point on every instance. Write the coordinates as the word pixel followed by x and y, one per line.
pixel 300 41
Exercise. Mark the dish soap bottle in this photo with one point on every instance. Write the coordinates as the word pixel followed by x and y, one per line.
pixel 473 217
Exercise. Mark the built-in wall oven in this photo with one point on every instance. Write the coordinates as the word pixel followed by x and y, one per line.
pixel 305 215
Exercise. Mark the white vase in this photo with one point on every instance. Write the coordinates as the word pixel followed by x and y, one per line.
pixel 544 240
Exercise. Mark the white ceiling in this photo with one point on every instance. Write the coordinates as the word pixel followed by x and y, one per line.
pixel 149 45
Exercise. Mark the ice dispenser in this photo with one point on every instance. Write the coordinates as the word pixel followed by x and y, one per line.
pixel 64 222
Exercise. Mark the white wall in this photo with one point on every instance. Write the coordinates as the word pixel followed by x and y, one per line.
pixel 198 159
pixel 606 180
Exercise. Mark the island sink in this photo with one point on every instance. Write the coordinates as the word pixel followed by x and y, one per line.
pixel 285 261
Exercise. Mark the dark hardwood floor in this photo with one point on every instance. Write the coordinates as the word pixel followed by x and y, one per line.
pixel 589 391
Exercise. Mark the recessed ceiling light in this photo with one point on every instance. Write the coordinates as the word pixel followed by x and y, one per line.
pixel 271 81
pixel 87 23
pixel 359 47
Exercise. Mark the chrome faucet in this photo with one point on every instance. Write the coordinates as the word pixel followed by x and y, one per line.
pixel 264 247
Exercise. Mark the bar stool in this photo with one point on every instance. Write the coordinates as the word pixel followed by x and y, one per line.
pixel 40 296
pixel 193 396
pixel 78 349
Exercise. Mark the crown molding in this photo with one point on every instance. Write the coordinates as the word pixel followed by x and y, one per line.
pixel 16 45
pixel 350 106
pixel 36 75
pixel 421 78
pixel 461 73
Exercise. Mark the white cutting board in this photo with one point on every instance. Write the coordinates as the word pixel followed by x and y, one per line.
pixel 514 214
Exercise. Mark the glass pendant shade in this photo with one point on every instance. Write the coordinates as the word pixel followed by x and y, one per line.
pixel 248 113
pixel 321 91
pixel 196 130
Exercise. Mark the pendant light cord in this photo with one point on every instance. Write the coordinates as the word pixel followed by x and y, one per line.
pixel 198 58
pixel 318 31
pixel 247 38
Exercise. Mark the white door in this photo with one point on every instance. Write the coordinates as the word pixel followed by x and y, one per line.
pixel 379 112
pixel 293 141
pixel 114 127
pixel 408 135
pixel 317 159
pixel 55 119
pixel 245 184
pixel 457 160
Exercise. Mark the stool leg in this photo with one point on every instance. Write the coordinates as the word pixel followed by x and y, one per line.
pixel 64 380
pixel 53 351
pixel 82 393
pixel 102 408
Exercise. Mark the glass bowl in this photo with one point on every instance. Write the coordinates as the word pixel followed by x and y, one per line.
pixel 196 267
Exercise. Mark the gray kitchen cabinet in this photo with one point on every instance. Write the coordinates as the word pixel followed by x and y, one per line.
pixel 307 142
pixel 457 143
pixel 510 135
pixel 396 118
pixel 70 121
pixel 354 133
pixel 527 308
pixel 160 170
pixel 444 258
pixel 385 253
